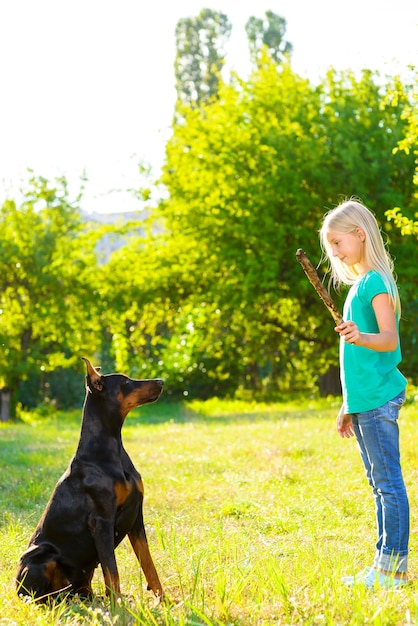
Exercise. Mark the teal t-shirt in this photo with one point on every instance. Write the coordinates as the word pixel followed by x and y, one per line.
pixel 369 379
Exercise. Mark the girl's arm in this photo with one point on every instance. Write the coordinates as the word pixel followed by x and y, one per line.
pixel 386 340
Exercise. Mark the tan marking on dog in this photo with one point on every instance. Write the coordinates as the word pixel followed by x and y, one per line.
pixel 55 577
pixel 122 491
pixel 140 486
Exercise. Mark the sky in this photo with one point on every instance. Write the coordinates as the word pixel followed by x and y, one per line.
pixel 87 86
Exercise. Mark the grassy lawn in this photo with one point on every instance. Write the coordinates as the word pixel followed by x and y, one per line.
pixel 253 514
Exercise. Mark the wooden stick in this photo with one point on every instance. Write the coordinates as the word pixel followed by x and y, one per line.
pixel 322 292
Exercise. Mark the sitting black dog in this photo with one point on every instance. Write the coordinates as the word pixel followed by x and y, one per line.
pixel 96 503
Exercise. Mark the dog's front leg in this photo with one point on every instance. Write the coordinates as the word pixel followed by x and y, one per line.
pixel 102 531
pixel 139 543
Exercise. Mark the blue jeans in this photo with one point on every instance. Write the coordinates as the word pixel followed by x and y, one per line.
pixel 377 435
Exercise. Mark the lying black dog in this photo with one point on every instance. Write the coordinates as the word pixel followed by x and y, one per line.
pixel 96 503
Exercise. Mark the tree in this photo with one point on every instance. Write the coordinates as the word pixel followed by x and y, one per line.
pixel 249 178
pixel 408 224
pixel 200 55
pixel 239 176
pixel 48 280
pixel 268 33
pixel 213 299
pixel 361 124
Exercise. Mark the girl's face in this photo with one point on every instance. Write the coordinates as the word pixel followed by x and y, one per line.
pixel 348 247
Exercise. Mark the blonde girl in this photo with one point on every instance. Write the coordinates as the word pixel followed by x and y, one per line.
pixel 373 387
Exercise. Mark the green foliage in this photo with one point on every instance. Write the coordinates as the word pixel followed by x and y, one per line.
pixel 249 177
pixel 268 34
pixel 48 284
pixel 406 225
pixel 363 124
pixel 409 145
pixel 200 55
pixel 246 517
pixel 230 185
pixel 209 295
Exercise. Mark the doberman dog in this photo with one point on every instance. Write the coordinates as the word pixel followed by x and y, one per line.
pixel 96 503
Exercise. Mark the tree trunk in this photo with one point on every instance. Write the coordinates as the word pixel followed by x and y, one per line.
pixel 329 383
pixel 5 398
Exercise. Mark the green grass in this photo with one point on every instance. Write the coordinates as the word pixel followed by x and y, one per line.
pixel 253 514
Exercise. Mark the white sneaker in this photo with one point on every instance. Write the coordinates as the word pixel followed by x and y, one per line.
pixel 353 580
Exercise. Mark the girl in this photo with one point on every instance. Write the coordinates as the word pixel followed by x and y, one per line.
pixel 373 387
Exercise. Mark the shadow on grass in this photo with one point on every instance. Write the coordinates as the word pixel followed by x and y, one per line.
pixel 182 412
pixel 63 424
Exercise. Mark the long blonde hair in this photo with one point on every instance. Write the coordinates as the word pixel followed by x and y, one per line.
pixel 345 218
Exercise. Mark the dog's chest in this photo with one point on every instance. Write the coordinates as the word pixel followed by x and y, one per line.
pixel 128 503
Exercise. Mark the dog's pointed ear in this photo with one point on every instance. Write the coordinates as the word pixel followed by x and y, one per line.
pixel 94 380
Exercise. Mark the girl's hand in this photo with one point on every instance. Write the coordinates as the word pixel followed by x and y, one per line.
pixel 344 424
pixel 349 331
